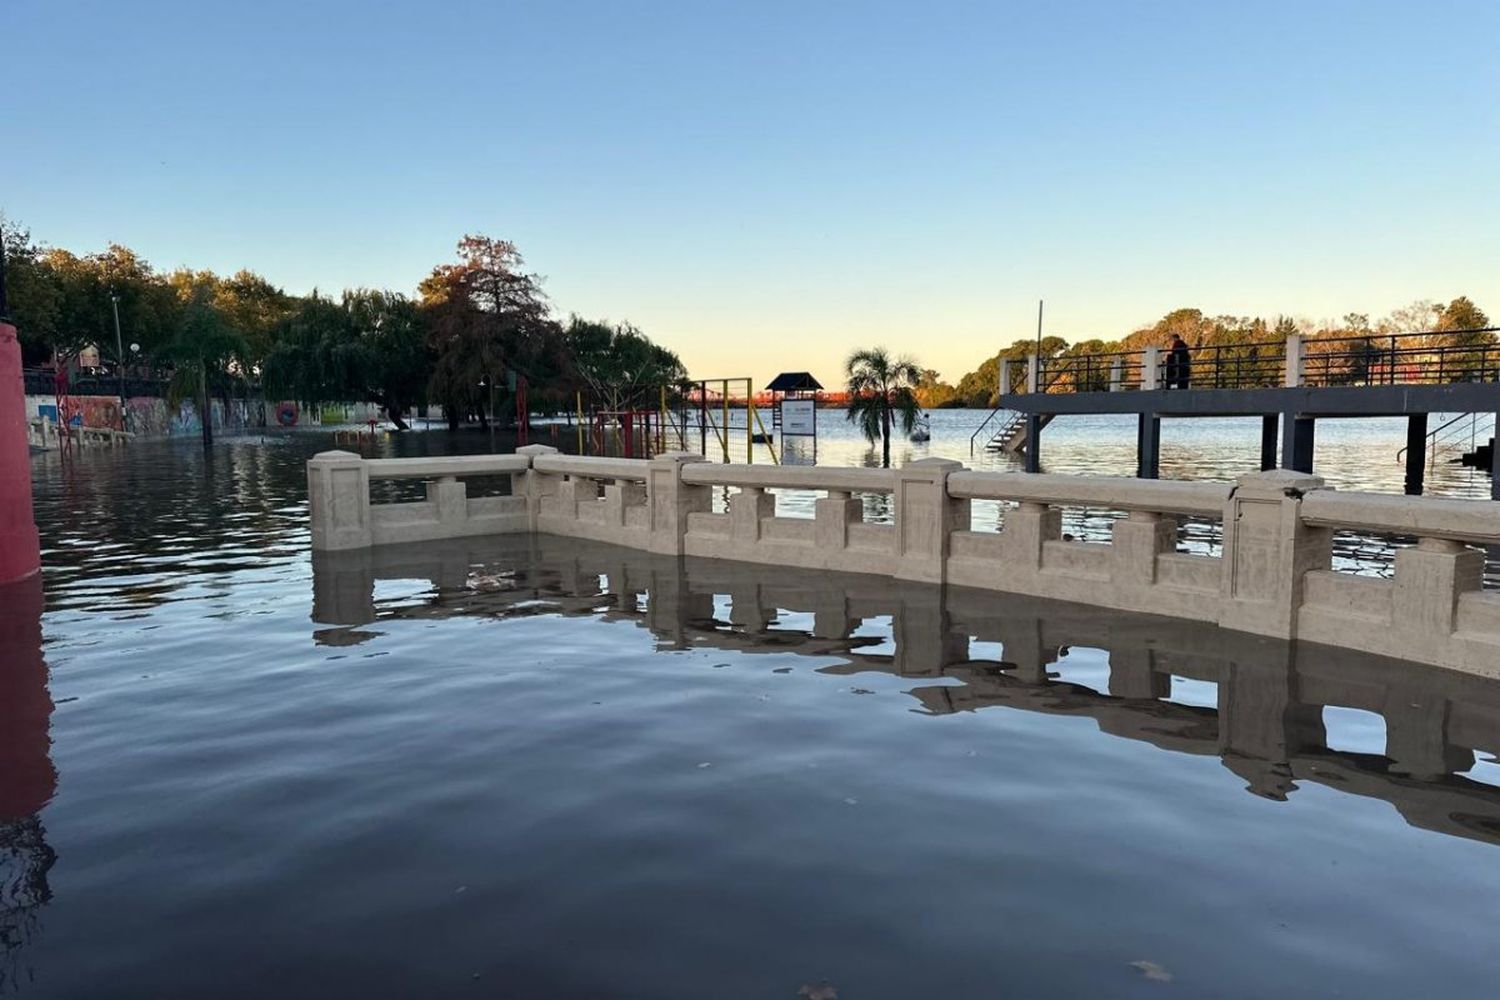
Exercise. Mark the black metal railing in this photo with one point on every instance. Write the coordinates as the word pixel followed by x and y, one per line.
pixel 1431 358
pixel 43 382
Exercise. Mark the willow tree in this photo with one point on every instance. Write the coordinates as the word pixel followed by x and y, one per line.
pixel 204 349
pixel 619 365
pixel 882 390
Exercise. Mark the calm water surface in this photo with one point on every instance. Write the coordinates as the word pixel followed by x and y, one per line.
pixel 517 767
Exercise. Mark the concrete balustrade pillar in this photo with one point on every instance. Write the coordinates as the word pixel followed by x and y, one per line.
pixel 1429 580
pixel 338 494
pixel 1137 541
pixel 450 497
pixel 574 489
pixel 619 498
pixel 926 517
pixel 1267 550
pixel 832 516
pixel 1025 531
pixel 746 508
pixel 540 488
pixel 671 500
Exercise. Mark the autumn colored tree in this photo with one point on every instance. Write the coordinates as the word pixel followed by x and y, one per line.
pixel 487 319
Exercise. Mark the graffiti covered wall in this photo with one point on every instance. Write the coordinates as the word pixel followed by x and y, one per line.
pixel 148 416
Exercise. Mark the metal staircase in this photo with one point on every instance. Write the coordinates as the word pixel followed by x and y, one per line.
pixel 1467 433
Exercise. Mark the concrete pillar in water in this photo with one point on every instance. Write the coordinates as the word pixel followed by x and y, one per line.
pixel 1268 439
pixel 926 517
pixel 338 494
pixel 1297 434
pixel 1416 453
pixel 1268 550
pixel 20 547
pixel 671 501
pixel 1148 447
pixel 1033 442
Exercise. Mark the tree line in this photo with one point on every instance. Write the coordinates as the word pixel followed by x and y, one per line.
pixel 1242 339
pixel 479 329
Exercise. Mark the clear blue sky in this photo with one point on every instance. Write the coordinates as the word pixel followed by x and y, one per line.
pixel 767 185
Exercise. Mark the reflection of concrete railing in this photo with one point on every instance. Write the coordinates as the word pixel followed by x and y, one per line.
pixel 1265 723
pixel 1275 576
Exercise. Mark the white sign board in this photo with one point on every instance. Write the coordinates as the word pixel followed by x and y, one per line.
pixel 799 417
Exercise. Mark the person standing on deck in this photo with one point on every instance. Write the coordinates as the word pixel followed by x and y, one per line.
pixel 1179 364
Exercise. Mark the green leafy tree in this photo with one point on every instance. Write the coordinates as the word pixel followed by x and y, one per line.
pixel 882 390
pixel 204 352
pixel 618 364
pixel 33 292
pixel 370 345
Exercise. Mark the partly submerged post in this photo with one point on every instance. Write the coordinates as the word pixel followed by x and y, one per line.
pixel 338 495
pixel 20 547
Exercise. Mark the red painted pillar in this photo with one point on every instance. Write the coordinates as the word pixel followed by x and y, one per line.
pixel 20 550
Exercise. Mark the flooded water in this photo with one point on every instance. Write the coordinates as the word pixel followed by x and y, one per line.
pixel 541 768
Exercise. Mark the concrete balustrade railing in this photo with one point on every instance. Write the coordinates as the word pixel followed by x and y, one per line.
pixel 338 490
pixel 1274 576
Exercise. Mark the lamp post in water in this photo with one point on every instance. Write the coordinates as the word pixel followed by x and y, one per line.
pixel 114 302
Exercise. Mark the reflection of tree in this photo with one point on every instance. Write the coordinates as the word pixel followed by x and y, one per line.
pixel 25 860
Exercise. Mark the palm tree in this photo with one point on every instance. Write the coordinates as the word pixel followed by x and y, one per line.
pixel 882 388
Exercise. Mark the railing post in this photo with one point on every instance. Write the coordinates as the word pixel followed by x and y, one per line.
pixel 1025 531
pixel 1033 373
pixel 1117 375
pixel 671 501
pixel 338 496
pixel 539 485
pixel 1004 379
pixel 1429 580
pixel 1151 369
pixel 746 508
pixel 1267 550
pixel 450 496
pixel 1294 360
pixel 926 518
pixel 619 498
pixel 832 516
pixel 1136 542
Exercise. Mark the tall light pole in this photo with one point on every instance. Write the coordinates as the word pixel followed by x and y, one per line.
pixel 114 302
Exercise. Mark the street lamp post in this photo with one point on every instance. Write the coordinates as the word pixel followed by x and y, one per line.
pixel 114 302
